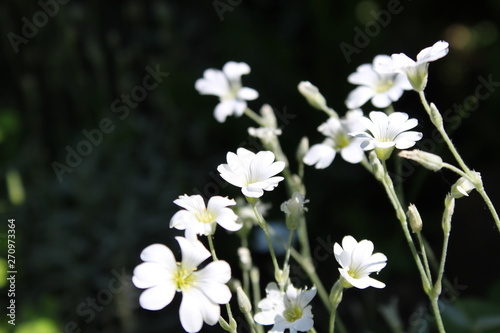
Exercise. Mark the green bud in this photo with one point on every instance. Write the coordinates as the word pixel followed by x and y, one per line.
pixel 243 301
pixel 427 160
pixel 302 149
pixel 436 117
pixel 449 207
pixel 294 208
pixel 415 219
pixel 245 259
pixel 281 276
pixel 312 95
pixel 464 186
pixel 268 116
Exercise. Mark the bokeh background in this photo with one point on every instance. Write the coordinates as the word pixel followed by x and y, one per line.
pixel 79 235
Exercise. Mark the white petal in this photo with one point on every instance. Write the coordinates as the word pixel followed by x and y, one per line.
pixel 224 109
pixel 407 139
pixel 150 274
pixel 158 297
pixel 265 317
pixel 353 152
pixel 381 100
pixel 195 309
pixel 193 203
pixel 234 70
pixel 252 191
pixel 320 155
pixel 239 107
pixel 364 75
pixel 160 254
pixel 349 243
pixel 214 82
pixel 181 219
pixel 211 281
pixel 401 61
pixel 434 52
pixel 248 94
pixel 359 96
pixel 193 252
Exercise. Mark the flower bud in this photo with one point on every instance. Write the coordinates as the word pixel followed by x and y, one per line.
pixel 415 219
pixel 427 160
pixel 436 117
pixel 243 302
pixel 302 149
pixel 245 258
pixel 294 208
pixel 268 116
pixel 463 186
pixel 312 95
pixel 281 276
pixel 449 208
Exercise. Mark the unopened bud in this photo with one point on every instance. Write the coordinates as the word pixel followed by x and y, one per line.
pixel 415 219
pixel 245 258
pixel 294 208
pixel 449 208
pixel 312 95
pixel 436 117
pixel 302 149
pixel 463 186
pixel 281 276
pixel 268 116
pixel 428 160
pixel 243 301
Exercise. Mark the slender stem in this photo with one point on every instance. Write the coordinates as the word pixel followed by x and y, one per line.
pixel 288 249
pixel 488 202
pixel 400 213
pixel 313 330
pixel 444 134
pixel 332 319
pixel 212 248
pixel 263 225
pixel 424 255
pixel 435 309
pixel 254 116
pixel 456 170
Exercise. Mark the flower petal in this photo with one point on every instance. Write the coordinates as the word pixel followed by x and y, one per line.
pixel 149 274
pixel 211 281
pixel 195 309
pixel 234 70
pixel 214 82
pixel 224 109
pixel 158 297
pixel 248 94
pixel 434 52
pixel 320 155
pixel 353 152
pixel 193 252
pixel 358 97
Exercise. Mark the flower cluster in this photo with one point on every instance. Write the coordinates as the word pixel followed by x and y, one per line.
pixel 203 283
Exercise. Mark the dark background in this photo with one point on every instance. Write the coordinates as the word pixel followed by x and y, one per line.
pixel 76 234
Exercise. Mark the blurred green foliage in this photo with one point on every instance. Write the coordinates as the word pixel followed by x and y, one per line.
pixel 74 235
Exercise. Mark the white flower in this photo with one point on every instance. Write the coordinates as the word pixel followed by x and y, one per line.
pixel 197 219
pixel 227 85
pixel 387 132
pixel 381 88
pixel 202 290
pixel 295 205
pixel 416 71
pixel 286 310
pixel 252 172
pixel 358 262
pixel 266 134
pixel 337 140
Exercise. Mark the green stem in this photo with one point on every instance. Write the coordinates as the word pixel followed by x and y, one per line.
pixel 254 116
pixel 424 255
pixel 212 248
pixel 401 215
pixel 465 168
pixel 288 249
pixel 263 225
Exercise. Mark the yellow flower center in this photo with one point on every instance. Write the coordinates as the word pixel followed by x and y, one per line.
pixel 183 278
pixel 205 217
pixel 384 86
pixel 293 313
pixel 341 141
